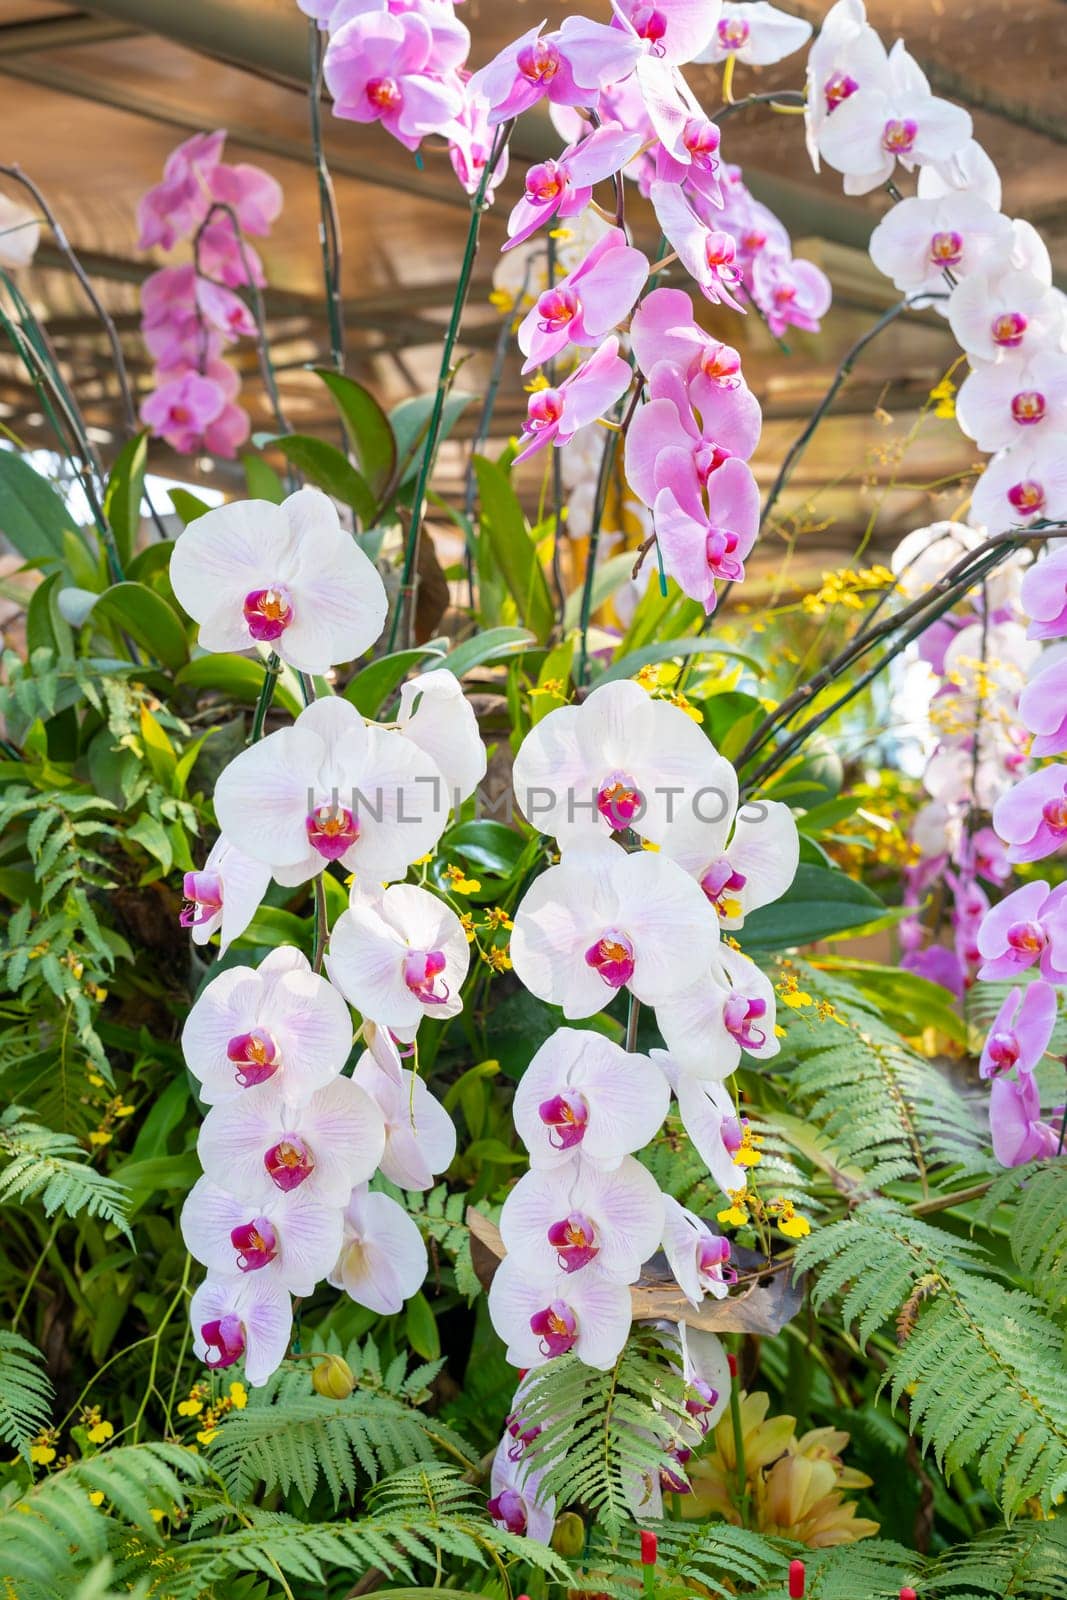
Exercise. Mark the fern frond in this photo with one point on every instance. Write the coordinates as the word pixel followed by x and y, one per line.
pixel 982 1364
pixel 54 1528
pixel 882 1107
pixel 288 1437
pixel 604 1434
pixel 442 1220
pixel 40 1166
pixel 435 1521
pixel 1037 1225
pixel 26 1392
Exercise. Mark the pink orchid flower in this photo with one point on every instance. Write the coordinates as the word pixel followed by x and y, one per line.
pixel 252 194
pixel 791 292
pixel 451 40
pixel 290 1239
pixel 1028 925
pixel 673 31
pixel 1020 1035
pixel 224 311
pixel 668 445
pixel 554 415
pixel 1019 1135
pixel 998 310
pixel 585 1098
pixel 708 255
pixel 174 209
pixel 1043 709
pixel 696 1256
pixel 226 259
pixel 1044 595
pixel 1018 397
pixel 585 1216
pixel 1032 817
pixel 225 435
pixel 515 1500
pixel 569 66
pixel 242 1317
pixel 664 328
pixel 564 186
pixel 471 145
pixel 384 68
pixel 420 1136
pixel 729 1008
pixel 224 895
pixel 541 1316
pixel 710 1119
pixel 400 958
pixel 700 545
pixel 585 305
pixel 179 411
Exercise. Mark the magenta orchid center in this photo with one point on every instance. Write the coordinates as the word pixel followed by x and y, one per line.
pixel 331 830
pixel 719 547
pixel 701 138
pixel 1026 940
pixel 574 1239
pixel 1003 1051
pixel 1028 407
pixel 899 135
pixel 721 883
pixel 720 250
pixel 619 800
pixel 1008 329
pixel 1054 813
pixel 740 1015
pixel 557 308
pixel 254 1056
pixel 268 612
pixel 702 1400
pixel 733 32
pixel 566 1117
pixel 713 1252
pixel 708 458
pixel 722 365
pixel 556 1327
pixel 545 409
pixel 613 957
pixel 538 62
pixel 946 249
pixel 522 1434
pixel 649 23
pixel 256 1243
pixel 202 896
pixel 838 87
pixel 1027 497
pixel 289 1162
pixel 508 1509
pixel 422 968
pixel 384 94
pixel 732 1134
pixel 544 182
pixel 225 1341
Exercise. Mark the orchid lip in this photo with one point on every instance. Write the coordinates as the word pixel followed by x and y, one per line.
pixel 539 62
pixel 619 800
pixel 332 830
pixel 946 249
pixel 509 1509
pixel 268 612
pixel 422 968
pixel 739 1015
pixel 289 1162
pixel 899 135
pixel 203 898
pixel 613 957
pixel 254 1056
pixel 733 32
pixel 1028 407
pixel 1009 328
pixel 557 308
pixel 556 1327
pixel 1054 813
pixel 1027 497
pixel 256 1243
pixel 574 1239
pixel 1026 939
pixel 227 1336
pixel 566 1116
pixel 1003 1050
pixel 838 88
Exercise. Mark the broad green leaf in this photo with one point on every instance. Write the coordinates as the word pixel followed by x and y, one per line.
pixel 272 927
pixel 486 844
pixel 32 515
pixel 153 836
pixel 513 549
pixel 87 569
pixel 46 627
pixel 610 575
pixel 374 683
pixel 421 1326
pixel 159 751
pixel 367 426
pixel 817 904
pixel 187 506
pixel 125 491
pixel 262 480
pixel 666 650
pixel 906 1000
pixel 329 469
pixel 410 421
pixel 240 677
pixel 492 645
pixel 152 559
pixel 148 618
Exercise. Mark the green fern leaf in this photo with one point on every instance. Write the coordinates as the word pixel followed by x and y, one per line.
pixel 26 1393
pixel 40 1166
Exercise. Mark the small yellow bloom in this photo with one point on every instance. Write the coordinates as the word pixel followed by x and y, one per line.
pixel 100 1432
pixel 791 1223
pixel 420 861
pixel 238 1396
pixel 100 1137
pixel 191 1407
pixel 686 705
pixel 124 1110
pixel 536 383
pixel 749 1154
pixel 552 686
pixel 459 883
pixel 501 301
pixel 466 922
pixel 96 1497
pixel 41 1454
pixel 155 1513
pixel 497 958
pixel 207 1435
pixel 96 1080
pixel 497 918
pixel 736 1213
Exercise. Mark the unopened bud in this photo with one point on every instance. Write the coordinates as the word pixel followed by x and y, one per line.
pixel 796 1580
pixel 908 1594
pixel 333 1378
pixel 649 1548
pixel 568 1536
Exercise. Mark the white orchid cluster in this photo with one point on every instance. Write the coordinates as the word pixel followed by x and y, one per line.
pixel 290 1141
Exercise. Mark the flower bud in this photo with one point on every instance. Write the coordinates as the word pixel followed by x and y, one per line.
pixel 649 1548
pixel 333 1378
pixel 568 1536
pixel 796 1580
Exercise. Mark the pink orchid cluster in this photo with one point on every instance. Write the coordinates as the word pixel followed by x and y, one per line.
pixel 191 313
pixel 291 1142
pixel 582 1222
pixel 869 110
